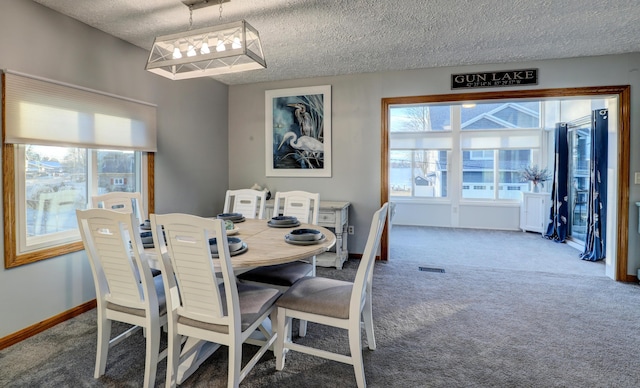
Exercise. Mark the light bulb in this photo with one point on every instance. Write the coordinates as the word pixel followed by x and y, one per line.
pixel 236 43
pixel 191 52
pixel 205 48
pixel 176 53
pixel 220 45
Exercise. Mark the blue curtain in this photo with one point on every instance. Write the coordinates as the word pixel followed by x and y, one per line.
pixel 559 213
pixel 594 248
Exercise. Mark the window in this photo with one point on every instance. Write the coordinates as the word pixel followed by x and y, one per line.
pixel 490 142
pixel 481 155
pixel 503 115
pixel 64 145
pixel 420 118
pixel 420 148
pixel 419 173
pixel 507 163
pixel 59 180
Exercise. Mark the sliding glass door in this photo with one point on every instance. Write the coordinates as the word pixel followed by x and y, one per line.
pixel 579 146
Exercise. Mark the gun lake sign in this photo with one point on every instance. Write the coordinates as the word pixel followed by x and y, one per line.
pixel 494 79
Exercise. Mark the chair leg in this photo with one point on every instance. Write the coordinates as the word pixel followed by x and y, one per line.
pixel 102 349
pixel 173 359
pixel 151 358
pixel 235 362
pixel 355 346
pixel 284 335
pixel 367 317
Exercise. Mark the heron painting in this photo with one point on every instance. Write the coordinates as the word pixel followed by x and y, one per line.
pixel 298 132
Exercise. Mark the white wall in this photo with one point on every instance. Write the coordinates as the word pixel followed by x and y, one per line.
pixel 191 164
pixel 357 128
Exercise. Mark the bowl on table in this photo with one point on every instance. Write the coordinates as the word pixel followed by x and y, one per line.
pixel 283 220
pixel 234 244
pixel 230 216
pixel 304 234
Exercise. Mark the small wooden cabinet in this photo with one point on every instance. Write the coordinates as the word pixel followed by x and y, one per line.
pixel 334 215
pixel 534 212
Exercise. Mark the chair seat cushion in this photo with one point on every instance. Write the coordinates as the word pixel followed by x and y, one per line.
pixel 162 301
pixel 318 295
pixel 280 275
pixel 254 301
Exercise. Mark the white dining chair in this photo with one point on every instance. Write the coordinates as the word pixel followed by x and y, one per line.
pixel 206 303
pixel 248 202
pixel 305 206
pixel 337 303
pixel 123 202
pixel 126 291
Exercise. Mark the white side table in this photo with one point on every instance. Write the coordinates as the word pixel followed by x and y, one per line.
pixel 534 210
pixel 335 215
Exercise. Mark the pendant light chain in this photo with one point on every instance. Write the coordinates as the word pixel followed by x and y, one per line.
pixel 190 17
pixel 220 18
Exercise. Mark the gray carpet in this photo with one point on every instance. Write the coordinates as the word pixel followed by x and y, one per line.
pixel 510 310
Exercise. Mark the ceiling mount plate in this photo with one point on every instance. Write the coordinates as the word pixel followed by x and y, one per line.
pixel 195 4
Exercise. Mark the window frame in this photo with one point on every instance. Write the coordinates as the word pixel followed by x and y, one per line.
pixel 621 92
pixel 11 257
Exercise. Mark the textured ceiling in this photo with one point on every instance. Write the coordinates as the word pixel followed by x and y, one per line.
pixel 310 38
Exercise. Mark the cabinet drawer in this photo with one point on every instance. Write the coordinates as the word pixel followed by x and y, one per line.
pixel 327 217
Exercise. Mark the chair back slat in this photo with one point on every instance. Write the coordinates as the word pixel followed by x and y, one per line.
pixel 248 202
pixel 303 205
pixel 187 247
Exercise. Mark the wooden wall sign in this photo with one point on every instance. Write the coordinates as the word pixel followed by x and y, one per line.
pixel 494 79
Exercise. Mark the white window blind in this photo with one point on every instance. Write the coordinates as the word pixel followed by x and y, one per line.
pixel 516 139
pixel 421 140
pixel 44 112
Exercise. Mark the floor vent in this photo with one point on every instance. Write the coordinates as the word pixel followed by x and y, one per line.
pixel 431 269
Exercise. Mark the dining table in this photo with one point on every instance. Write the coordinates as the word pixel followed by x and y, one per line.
pixel 266 244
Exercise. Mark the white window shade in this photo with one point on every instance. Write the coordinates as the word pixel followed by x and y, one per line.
pixel 420 140
pixel 500 140
pixel 44 112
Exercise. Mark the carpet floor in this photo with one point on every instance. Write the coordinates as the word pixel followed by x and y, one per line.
pixel 509 310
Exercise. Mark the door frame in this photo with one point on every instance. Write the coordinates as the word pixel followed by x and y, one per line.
pixel 623 136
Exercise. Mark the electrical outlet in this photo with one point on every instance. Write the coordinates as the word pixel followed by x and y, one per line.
pixel 351 229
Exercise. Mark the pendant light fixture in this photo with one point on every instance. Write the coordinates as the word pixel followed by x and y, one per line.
pixel 222 49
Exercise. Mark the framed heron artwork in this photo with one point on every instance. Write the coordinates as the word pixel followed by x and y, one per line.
pixel 298 132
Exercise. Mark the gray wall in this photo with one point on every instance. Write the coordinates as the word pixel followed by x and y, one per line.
pixel 357 127
pixel 191 164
